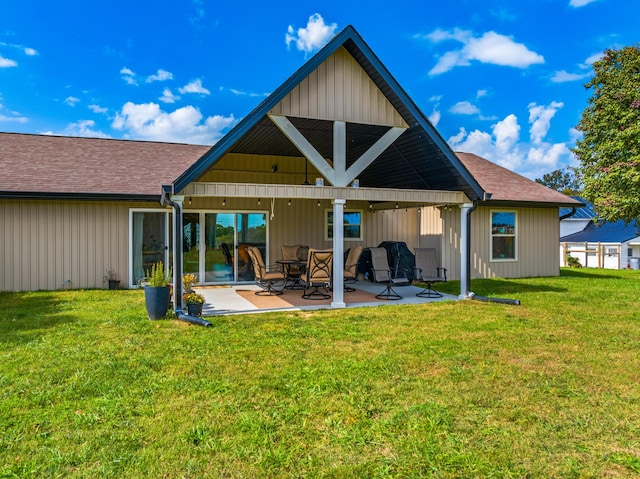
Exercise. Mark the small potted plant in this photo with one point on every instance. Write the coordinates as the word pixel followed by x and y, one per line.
pixel 157 291
pixel 111 278
pixel 188 280
pixel 194 302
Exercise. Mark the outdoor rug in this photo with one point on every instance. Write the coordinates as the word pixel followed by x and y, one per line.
pixel 293 298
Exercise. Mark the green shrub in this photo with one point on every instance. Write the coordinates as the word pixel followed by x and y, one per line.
pixel 157 276
pixel 573 262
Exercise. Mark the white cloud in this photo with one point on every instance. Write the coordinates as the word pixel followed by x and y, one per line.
pixel 593 58
pixel 464 108
pixel 16 119
pixel 563 76
pixel 435 116
pixel 30 52
pixel 185 125
pixel 194 86
pixel 503 145
pixel 481 93
pixel 128 76
pixel 313 37
pixel 580 3
pixel 168 96
pixel 540 118
pixel 83 128
pixel 491 47
pixel 161 75
pixel 97 109
pixel 7 63
pixel 71 100
pixel 246 93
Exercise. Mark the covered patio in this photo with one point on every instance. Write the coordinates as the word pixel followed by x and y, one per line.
pixel 339 133
pixel 240 299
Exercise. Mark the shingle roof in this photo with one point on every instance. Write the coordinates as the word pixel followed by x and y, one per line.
pixel 506 186
pixel 43 164
pixel 606 232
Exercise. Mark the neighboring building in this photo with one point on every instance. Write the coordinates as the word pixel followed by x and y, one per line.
pixel 71 208
pixel 598 244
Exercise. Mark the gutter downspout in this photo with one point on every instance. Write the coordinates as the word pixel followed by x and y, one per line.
pixel 177 260
pixel 569 214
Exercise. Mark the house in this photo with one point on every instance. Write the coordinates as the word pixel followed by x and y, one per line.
pixel 599 244
pixel 339 142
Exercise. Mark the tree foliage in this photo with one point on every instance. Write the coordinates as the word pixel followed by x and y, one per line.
pixel 609 151
pixel 564 181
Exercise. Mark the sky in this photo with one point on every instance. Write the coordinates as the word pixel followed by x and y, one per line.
pixel 503 79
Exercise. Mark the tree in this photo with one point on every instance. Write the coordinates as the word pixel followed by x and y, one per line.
pixel 609 151
pixel 564 181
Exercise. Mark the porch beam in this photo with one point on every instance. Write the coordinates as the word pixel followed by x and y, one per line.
pixel 260 190
pixel 306 148
pixel 369 156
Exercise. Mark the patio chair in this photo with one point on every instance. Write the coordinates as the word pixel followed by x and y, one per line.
pixel 427 271
pixel 318 273
pixel 290 253
pixel 350 273
pixel 269 279
pixel 382 274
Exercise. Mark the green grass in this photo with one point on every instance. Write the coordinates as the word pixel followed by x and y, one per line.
pixel 91 388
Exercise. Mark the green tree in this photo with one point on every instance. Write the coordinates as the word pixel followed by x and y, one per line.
pixel 564 181
pixel 609 151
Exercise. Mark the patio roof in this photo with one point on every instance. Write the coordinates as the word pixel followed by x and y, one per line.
pixel 419 159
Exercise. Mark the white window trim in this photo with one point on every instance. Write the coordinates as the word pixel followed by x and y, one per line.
pixel 349 210
pixel 515 236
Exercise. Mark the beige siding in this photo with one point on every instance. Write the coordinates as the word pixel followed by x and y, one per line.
pixel 45 243
pixel 537 244
pixel 237 168
pixel 339 90
pixel 303 222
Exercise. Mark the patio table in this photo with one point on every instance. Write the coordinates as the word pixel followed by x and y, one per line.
pixel 293 281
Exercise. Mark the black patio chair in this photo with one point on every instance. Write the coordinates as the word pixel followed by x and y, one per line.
pixel 427 271
pixel 382 274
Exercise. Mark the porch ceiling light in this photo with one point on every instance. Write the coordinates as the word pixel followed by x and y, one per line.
pixel 318 202
pixel 289 203
pixel 224 202
pixel 259 201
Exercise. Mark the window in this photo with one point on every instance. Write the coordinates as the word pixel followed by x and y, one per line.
pixel 503 235
pixel 352 221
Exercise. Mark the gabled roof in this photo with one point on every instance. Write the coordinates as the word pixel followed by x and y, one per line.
pixel 509 188
pixel 606 232
pixel 586 212
pixel 419 159
pixel 70 167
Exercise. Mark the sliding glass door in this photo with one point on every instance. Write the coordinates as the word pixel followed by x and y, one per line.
pixel 214 244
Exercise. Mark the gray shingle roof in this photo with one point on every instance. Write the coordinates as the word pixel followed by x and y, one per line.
pixel 88 166
pixel 506 186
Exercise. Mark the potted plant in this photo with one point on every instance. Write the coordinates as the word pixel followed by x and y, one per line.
pixel 189 280
pixel 111 278
pixel 194 302
pixel 157 291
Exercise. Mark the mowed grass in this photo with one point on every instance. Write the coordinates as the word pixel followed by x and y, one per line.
pixel 89 387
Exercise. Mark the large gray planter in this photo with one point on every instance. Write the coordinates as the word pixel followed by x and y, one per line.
pixel 157 301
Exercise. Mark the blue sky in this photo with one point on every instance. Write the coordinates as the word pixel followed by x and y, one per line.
pixel 500 78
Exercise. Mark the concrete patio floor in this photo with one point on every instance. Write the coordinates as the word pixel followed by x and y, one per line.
pixel 225 300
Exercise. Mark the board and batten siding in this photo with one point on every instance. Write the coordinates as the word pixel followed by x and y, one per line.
pixel 537 239
pixel 46 243
pixel 340 90
pixel 303 222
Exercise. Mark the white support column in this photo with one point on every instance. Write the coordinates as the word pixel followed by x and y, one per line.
pixel 465 211
pixel 340 153
pixel 338 254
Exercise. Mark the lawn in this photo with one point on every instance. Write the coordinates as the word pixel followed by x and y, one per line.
pixel 89 387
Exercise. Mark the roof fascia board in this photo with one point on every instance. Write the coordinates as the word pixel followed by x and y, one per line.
pixel 227 141
pixel 37 195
